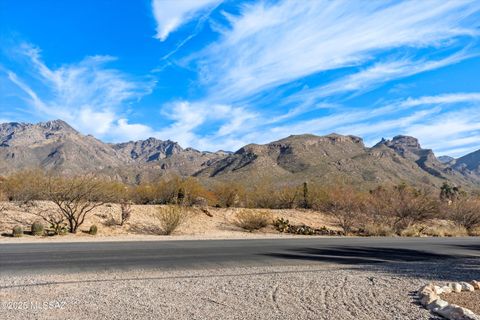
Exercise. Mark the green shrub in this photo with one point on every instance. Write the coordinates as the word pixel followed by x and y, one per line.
pixel 17 231
pixel 251 220
pixel 93 230
pixel 59 229
pixel 37 229
pixel 281 224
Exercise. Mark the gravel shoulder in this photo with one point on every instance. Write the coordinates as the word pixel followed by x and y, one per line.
pixel 249 293
pixel 327 291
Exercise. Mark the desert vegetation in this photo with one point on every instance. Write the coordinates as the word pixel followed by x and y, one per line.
pixel 170 218
pixel 251 220
pixel 381 211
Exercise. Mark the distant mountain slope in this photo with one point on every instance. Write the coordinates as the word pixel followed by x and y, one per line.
pixel 446 160
pixel 54 145
pixel 148 150
pixel 333 158
pixel 166 156
pixel 469 165
pixel 409 148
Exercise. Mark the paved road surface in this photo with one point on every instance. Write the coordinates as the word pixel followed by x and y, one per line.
pixel 97 256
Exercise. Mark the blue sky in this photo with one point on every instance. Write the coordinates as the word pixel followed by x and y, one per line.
pixel 215 74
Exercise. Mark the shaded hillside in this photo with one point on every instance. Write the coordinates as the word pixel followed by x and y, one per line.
pixel 334 158
pixel 165 156
pixel 469 165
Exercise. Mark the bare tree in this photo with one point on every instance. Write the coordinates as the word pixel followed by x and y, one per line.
pixel 402 206
pixel 126 209
pixel 54 219
pixel 346 206
pixel 76 197
pixel 3 208
pixel 465 213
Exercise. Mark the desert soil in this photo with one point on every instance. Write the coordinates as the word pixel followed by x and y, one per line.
pixel 143 225
pixel 469 300
pixel 294 292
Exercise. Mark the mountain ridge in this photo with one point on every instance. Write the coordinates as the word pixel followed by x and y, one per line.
pixel 57 146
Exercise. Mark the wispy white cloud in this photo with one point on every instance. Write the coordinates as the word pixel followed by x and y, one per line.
pixel 451 131
pixel 371 77
pixel 188 119
pixel 448 123
pixel 171 14
pixel 88 94
pixel 269 44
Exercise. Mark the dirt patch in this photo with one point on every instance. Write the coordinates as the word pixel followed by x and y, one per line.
pixel 469 300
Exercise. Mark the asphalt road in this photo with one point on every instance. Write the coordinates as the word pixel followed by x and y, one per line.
pixel 96 256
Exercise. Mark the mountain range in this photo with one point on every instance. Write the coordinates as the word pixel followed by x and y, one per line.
pixel 56 146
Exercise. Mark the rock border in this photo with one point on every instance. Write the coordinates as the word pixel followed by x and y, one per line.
pixel 429 296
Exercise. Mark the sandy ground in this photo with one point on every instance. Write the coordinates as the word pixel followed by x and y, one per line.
pixel 381 291
pixel 469 300
pixel 143 225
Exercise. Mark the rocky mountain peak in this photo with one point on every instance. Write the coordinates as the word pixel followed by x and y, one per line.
pixel 409 148
pixel 56 125
pixel 446 159
pixel 402 143
pixel 148 150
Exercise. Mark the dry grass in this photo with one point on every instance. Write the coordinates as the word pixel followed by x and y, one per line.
pixel 378 230
pixel 252 220
pixel 170 218
pixel 445 231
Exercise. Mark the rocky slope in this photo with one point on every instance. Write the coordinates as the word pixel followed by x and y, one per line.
pixel 409 148
pixel 56 146
pixel 165 156
pixel 53 145
pixel 469 165
pixel 446 159
pixel 334 158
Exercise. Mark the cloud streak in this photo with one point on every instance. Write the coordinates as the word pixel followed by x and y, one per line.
pixel 268 45
pixel 170 15
pixel 88 94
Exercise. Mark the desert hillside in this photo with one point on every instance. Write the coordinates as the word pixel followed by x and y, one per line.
pixel 55 146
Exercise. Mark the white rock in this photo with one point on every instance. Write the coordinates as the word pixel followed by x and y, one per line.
pixel 447 289
pixel 467 286
pixel 426 299
pixel 456 287
pixel 468 314
pixel 476 284
pixel 427 294
pixel 437 304
pixel 426 289
pixel 451 311
pixel 438 290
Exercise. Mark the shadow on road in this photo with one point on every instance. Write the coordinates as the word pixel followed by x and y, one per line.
pixel 403 262
pixel 355 255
